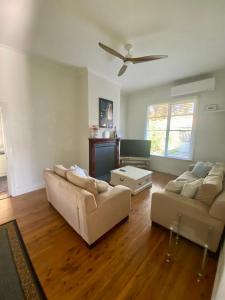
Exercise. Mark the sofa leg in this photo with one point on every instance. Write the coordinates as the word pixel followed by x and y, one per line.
pixel 178 229
pixel 201 272
pixel 169 253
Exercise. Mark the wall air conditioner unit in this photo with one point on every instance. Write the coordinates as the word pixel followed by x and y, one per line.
pixel 193 87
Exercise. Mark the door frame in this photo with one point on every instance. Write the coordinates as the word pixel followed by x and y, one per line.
pixel 7 146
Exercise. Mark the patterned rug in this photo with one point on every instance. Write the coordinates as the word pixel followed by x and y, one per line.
pixel 18 280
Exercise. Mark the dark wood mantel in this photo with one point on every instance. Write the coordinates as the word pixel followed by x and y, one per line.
pixel 103 157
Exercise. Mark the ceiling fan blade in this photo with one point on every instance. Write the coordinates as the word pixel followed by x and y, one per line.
pixel 122 70
pixel 136 60
pixel 111 51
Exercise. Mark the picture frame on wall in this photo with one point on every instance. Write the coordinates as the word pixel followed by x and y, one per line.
pixel 105 113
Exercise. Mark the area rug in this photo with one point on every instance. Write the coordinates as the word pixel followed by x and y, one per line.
pixel 18 280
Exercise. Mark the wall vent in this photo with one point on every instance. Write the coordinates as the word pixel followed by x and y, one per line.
pixel 193 87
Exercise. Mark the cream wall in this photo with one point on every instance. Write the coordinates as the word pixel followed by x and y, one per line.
pixel 123 116
pixel 83 118
pixel 100 87
pixel 93 86
pixel 39 100
pixel 210 133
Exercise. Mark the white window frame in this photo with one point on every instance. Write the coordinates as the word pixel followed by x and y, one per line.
pixel 193 99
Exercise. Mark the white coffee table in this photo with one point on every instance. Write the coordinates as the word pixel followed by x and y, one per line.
pixel 134 178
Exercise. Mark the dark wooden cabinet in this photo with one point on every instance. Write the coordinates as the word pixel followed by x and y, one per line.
pixel 103 157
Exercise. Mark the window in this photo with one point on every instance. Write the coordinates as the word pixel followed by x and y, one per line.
pixel 170 129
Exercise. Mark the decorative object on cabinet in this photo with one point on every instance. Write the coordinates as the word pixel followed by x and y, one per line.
pixel 94 131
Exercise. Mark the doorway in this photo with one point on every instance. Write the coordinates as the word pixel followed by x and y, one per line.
pixel 3 163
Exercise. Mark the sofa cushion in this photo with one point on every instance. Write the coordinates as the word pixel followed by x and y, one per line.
pixel 102 186
pixel 190 188
pixel 175 186
pixel 187 176
pixel 211 187
pixel 217 171
pixel 60 170
pixel 201 169
pixel 87 183
pixel 220 164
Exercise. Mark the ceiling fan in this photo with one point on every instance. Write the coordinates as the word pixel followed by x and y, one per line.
pixel 128 58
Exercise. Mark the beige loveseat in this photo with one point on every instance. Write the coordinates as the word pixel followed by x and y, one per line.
pixel 89 215
pixel 200 222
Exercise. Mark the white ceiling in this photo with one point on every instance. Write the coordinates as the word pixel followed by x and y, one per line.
pixel 191 32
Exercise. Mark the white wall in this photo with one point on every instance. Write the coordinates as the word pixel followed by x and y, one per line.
pixel 123 116
pixel 100 87
pixel 92 86
pixel 40 100
pixel 210 136
pixel 83 118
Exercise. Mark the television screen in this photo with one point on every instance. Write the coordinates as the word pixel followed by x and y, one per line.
pixel 138 148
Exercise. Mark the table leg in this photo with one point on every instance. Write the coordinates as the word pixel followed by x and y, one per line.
pixel 169 253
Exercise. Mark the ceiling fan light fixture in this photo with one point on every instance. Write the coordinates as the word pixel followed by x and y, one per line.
pixel 129 59
pixel 128 62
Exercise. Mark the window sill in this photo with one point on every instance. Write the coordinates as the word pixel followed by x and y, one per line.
pixel 171 157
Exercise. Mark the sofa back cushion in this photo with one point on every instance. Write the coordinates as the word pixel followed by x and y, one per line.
pixel 217 171
pixel 86 183
pixel 60 170
pixel 102 186
pixel 211 187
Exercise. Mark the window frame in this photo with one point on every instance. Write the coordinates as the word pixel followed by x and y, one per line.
pixel 193 99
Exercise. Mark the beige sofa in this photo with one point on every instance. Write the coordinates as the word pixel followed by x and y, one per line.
pixel 199 222
pixel 91 216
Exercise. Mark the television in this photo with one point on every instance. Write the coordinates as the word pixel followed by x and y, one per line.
pixel 135 148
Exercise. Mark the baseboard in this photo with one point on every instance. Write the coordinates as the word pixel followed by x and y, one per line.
pixel 24 190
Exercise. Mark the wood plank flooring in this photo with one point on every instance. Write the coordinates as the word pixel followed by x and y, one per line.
pixel 129 263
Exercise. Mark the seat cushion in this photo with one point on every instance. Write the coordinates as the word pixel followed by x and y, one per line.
pixel 87 183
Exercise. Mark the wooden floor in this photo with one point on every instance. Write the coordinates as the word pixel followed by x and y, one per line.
pixel 129 263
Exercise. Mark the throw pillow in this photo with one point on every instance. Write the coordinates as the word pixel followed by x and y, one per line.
pixel 211 187
pixel 175 186
pixel 190 188
pixel 78 170
pixel 102 186
pixel 201 169
pixel 86 183
pixel 60 170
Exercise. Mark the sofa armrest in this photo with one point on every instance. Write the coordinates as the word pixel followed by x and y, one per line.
pixel 217 209
pixel 87 201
